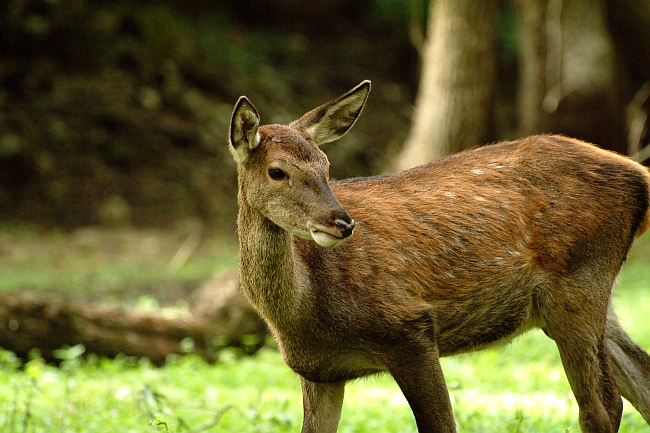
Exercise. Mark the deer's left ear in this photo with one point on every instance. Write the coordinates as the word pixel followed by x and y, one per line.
pixel 332 120
pixel 244 125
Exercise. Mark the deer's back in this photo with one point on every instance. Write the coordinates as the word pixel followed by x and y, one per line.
pixel 549 194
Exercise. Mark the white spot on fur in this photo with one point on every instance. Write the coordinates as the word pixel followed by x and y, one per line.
pixel 479 198
pixel 450 195
pixel 477 171
pixel 495 165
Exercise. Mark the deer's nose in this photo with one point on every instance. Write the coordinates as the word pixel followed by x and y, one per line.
pixel 345 227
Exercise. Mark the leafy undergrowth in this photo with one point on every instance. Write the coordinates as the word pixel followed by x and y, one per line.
pixel 517 389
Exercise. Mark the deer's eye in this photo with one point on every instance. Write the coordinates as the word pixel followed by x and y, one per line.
pixel 277 174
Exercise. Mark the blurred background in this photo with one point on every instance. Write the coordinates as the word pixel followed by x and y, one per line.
pixel 116 184
pixel 116 113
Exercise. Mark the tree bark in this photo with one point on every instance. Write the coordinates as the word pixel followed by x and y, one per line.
pixel 458 71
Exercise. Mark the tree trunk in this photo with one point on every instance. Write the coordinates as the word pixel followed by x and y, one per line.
pixel 568 73
pixel 221 317
pixel 458 72
pixel 532 55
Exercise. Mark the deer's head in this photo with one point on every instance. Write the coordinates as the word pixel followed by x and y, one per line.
pixel 284 175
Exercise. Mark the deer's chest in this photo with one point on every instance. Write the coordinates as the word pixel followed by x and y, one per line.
pixel 327 355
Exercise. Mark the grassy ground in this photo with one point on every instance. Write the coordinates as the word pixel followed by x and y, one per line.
pixel 521 388
pixel 112 265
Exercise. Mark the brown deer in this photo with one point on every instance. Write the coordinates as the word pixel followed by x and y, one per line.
pixel 448 257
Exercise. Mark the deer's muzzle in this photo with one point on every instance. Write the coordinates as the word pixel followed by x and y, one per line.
pixel 333 233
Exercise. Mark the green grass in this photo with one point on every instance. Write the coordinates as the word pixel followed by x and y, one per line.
pixel 520 388
pixel 114 265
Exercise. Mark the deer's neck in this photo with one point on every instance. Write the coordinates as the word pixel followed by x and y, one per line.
pixel 268 274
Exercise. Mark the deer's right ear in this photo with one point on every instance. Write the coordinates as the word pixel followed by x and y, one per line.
pixel 244 125
pixel 332 120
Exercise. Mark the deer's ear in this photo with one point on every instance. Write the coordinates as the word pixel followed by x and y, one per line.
pixel 244 125
pixel 332 120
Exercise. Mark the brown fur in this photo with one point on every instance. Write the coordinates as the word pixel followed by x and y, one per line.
pixel 449 257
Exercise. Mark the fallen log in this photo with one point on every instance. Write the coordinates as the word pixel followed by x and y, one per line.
pixel 221 317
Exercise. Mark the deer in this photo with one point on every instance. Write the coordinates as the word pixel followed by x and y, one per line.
pixel 453 256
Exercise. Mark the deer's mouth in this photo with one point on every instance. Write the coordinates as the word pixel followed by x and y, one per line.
pixel 326 236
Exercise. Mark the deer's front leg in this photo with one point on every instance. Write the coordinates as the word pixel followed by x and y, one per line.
pixel 419 376
pixel 322 404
